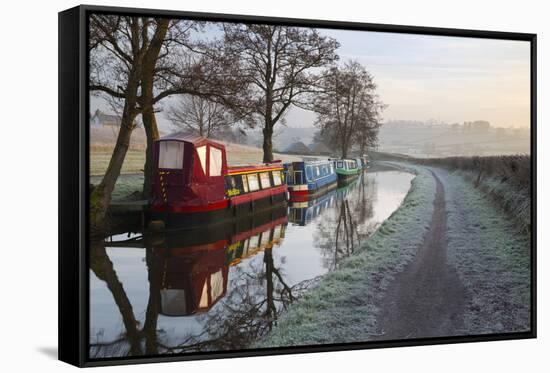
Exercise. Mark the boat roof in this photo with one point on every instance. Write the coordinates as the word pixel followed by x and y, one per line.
pixel 232 170
pixel 344 159
pixel 191 138
pixel 314 162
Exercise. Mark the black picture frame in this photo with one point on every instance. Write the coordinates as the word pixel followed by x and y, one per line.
pixel 74 185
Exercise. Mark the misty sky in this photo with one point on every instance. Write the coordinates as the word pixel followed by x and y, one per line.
pixel 449 79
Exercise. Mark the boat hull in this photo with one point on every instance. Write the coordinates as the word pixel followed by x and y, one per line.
pixel 175 219
pixel 344 178
pixel 305 195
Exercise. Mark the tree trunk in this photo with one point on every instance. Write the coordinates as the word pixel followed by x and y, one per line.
pixel 147 103
pixel 271 309
pixel 344 149
pixel 268 145
pixel 103 268
pixel 152 134
pixel 153 307
pixel 100 197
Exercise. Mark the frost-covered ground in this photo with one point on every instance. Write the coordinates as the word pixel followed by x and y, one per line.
pixel 492 257
pixel 343 307
pixel 489 253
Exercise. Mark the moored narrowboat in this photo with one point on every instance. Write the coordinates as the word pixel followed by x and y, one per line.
pixel 309 178
pixel 194 186
pixel 347 169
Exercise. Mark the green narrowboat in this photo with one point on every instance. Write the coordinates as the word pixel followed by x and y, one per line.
pixel 347 169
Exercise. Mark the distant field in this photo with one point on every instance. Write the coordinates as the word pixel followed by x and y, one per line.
pixel 131 179
pixel 104 138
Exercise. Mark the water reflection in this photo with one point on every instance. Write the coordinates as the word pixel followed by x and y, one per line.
pixel 223 288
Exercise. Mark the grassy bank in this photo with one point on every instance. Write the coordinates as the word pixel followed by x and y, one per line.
pixel 343 307
pixel 491 255
pixel 489 252
pixel 505 179
pixel 126 186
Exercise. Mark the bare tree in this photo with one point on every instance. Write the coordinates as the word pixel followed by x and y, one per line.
pixel 118 49
pixel 183 65
pixel 199 115
pixel 281 63
pixel 348 109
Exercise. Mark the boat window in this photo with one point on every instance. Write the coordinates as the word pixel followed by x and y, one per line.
pixel 246 247
pixel 253 183
pixel 171 154
pixel 216 285
pixel 245 184
pixel 265 238
pixel 277 232
pixel 201 151
pixel 290 173
pixel 309 174
pixel 232 182
pixel 173 301
pixel 203 303
pixel 277 178
pixel 215 161
pixel 340 164
pixel 254 242
pixel 264 180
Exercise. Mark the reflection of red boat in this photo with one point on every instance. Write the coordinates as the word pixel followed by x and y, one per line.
pixel 193 267
pixel 194 282
pixel 194 185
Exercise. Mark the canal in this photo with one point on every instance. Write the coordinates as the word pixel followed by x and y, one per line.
pixel 223 288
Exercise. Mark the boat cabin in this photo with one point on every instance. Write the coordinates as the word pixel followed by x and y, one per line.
pixel 309 177
pixel 194 186
pixel 346 165
pixel 189 172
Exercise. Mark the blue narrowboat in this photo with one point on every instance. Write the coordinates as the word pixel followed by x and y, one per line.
pixel 307 178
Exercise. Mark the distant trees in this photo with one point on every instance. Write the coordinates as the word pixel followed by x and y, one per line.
pixel 281 65
pixel 477 126
pixel 199 115
pixel 348 109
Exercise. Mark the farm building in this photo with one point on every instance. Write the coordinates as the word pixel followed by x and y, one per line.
pixel 100 118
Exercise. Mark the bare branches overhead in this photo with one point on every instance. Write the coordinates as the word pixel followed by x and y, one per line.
pixel 281 64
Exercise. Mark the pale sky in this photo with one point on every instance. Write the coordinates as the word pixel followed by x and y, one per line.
pixel 445 78
pixel 423 77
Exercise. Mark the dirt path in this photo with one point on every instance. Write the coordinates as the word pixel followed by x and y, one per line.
pixel 427 299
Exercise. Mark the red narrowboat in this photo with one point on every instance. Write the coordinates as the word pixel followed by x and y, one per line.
pixel 194 186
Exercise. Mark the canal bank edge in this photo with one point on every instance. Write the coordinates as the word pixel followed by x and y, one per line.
pixel 344 307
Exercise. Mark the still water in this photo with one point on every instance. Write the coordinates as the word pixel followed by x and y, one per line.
pixel 223 288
